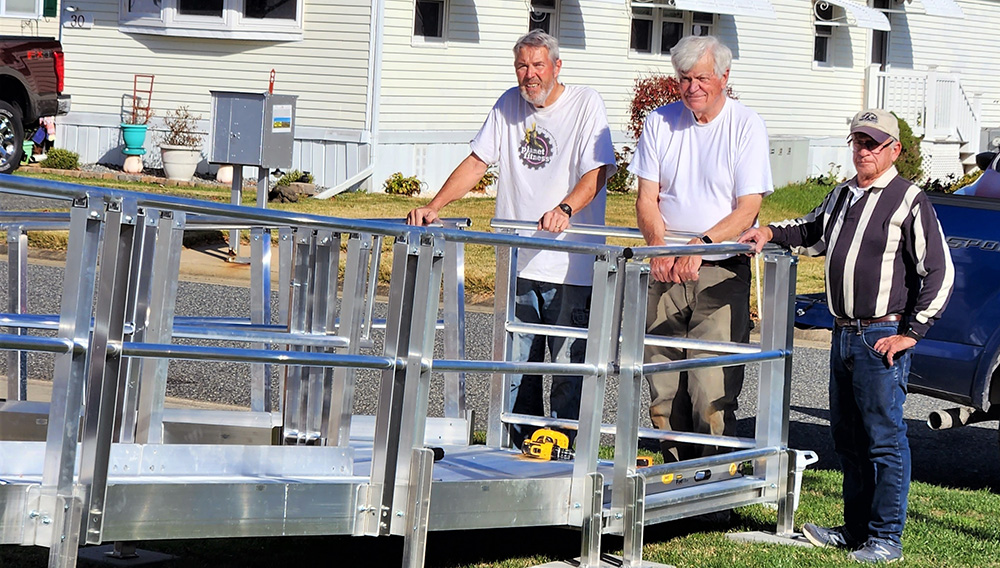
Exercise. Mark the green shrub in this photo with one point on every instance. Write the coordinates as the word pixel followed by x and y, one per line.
pixel 623 180
pixel 950 184
pixel 294 176
pixel 60 159
pixel 399 185
pixel 910 159
pixel 652 92
pixel 830 178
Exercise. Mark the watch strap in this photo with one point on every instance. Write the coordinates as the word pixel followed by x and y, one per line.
pixel 565 208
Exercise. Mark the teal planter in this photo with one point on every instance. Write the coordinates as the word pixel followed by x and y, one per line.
pixel 134 136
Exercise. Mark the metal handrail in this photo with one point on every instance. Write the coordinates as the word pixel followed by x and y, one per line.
pixel 61 190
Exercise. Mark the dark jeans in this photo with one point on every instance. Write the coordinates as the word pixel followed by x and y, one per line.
pixel 551 304
pixel 869 434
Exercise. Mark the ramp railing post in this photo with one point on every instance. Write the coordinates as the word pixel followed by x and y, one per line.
pixel 105 360
pixel 17 303
pixel 261 387
pixel 388 419
pixel 138 306
pixel 323 309
pixel 299 320
pixel 418 517
pixel 776 378
pixel 454 327
pixel 630 383
pixel 417 373
pixel 599 344
pixel 160 325
pixel 352 304
pixel 505 286
pixel 57 517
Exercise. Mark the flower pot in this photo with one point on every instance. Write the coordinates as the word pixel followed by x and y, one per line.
pixel 225 174
pixel 180 162
pixel 134 136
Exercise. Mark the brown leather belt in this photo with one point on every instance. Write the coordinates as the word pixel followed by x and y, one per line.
pixel 859 322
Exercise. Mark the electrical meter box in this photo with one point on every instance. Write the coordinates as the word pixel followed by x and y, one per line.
pixel 252 129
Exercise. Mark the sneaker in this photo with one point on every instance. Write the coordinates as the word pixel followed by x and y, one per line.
pixel 877 550
pixel 822 537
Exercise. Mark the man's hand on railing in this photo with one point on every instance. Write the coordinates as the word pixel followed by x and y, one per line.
pixel 757 236
pixel 422 216
pixel 554 221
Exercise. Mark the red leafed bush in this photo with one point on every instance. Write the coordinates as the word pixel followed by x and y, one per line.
pixel 652 92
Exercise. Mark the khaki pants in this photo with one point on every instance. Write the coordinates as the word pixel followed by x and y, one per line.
pixel 716 307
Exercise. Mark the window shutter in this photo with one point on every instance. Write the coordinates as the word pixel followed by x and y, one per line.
pixel 50 8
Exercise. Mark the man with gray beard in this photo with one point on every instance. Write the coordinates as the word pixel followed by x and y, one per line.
pixel 552 146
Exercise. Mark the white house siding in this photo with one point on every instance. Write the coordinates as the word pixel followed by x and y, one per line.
pixel 964 46
pixel 434 97
pixel 43 27
pixel 328 70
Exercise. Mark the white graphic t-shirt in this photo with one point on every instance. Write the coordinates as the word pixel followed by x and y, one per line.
pixel 703 168
pixel 542 153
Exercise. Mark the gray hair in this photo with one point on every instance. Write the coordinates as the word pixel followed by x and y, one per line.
pixel 538 38
pixel 691 49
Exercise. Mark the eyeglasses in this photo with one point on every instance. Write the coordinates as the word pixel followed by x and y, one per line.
pixel 869 144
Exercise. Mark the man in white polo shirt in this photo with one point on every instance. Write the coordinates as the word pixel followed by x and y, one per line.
pixel 552 145
pixel 703 168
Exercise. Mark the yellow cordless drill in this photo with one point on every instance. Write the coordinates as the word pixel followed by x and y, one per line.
pixel 547 444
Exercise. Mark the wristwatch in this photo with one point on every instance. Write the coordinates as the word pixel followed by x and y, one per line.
pixel 706 239
pixel 566 209
pixel 913 334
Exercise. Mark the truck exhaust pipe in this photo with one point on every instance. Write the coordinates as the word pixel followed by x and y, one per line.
pixel 960 416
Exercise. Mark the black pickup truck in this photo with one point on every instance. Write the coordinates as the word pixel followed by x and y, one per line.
pixel 31 86
pixel 959 360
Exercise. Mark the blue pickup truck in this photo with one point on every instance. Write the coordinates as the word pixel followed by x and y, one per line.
pixel 957 361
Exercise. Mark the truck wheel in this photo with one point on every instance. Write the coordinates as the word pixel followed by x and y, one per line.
pixel 11 137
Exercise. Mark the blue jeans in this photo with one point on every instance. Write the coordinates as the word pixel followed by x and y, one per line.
pixel 869 434
pixel 550 304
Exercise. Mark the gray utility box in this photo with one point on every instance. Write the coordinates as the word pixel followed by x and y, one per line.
pixel 252 129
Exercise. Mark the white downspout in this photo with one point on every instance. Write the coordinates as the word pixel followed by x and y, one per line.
pixel 373 95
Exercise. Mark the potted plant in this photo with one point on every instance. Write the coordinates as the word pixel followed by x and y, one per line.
pixel 180 147
pixel 134 125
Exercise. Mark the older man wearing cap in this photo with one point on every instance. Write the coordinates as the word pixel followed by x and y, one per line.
pixel 888 277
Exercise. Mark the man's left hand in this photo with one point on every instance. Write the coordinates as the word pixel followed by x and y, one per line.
pixel 554 221
pixel 893 344
pixel 685 269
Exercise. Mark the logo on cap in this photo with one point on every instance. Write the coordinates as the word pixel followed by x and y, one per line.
pixel 868 117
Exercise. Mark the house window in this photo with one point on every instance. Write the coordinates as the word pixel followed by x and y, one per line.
pixel 429 19
pixel 30 9
pixel 270 20
pixel 824 32
pixel 880 38
pixel 544 15
pixel 656 30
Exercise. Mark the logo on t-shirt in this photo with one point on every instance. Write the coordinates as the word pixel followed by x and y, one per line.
pixel 536 148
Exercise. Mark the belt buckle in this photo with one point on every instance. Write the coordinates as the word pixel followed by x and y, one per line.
pixel 858 325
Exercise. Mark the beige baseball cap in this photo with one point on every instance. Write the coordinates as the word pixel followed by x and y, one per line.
pixel 877 123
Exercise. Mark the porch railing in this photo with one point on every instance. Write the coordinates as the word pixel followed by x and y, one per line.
pixel 933 103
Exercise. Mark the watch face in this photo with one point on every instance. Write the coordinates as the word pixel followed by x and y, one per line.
pixel 566 209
